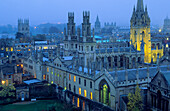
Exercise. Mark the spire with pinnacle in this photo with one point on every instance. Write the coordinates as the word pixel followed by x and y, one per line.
pixel 140 7
pixel 97 19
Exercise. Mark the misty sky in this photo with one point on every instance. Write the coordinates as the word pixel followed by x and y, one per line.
pixel 54 11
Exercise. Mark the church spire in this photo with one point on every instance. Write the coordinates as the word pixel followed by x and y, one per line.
pixel 140 7
pixel 97 19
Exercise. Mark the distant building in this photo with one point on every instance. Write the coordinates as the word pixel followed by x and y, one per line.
pixel 97 26
pixel 107 29
pixel 166 27
pixel 23 27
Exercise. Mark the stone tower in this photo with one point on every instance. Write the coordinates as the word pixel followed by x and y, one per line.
pixel 86 25
pixel 97 26
pixel 140 30
pixel 71 24
pixel 23 27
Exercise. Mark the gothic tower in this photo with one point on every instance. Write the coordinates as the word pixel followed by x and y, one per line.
pixel 86 25
pixel 71 25
pixel 23 27
pixel 97 26
pixel 140 30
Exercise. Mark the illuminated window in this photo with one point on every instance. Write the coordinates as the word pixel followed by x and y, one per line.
pixel 6 49
pixel 12 49
pixel 44 77
pixel 2 48
pixel 21 65
pixel 80 91
pixel 78 102
pixel 167 38
pixel 85 93
pixel 69 76
pixel 166 45
pixel 65 88
pixel 52 82
pixel 91 95
pixel 47 69
pixel 29 49
pixel 73 99
pixel 83 105
pixel 74 78
pixel 45 47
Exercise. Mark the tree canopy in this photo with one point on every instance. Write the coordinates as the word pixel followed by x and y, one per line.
pixel 135 100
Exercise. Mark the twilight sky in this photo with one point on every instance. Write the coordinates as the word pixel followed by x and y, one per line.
pixel 54 11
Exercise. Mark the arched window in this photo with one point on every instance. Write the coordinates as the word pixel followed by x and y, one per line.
pixel 104 94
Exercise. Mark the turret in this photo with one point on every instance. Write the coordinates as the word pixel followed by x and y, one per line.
pixel 86 25
pixel 71 24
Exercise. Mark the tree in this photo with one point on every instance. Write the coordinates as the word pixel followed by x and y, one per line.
pixel 7 90
pixel 135 101
pixel 54 30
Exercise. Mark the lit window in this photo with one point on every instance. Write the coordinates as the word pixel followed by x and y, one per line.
pixel 78 102
pixel 12 49
pixel 74 78
pixel 91 95
pixel 166 45
pixel 47 69
pixel 80 91
pixel 29 49
pixel 73 99
pixel 44 77
pixel 2 48
pixel 65 88
pixel 69 76
pixel 45 47
pixel 167 38
pixel 6 49
pixel 21 65
pixel 52 82
pixel 85 93
pixel 83 105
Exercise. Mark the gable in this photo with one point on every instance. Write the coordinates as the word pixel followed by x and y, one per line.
pixel 159 80
pixel 57 61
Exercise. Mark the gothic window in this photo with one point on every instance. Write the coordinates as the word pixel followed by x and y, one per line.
pixel 90 84
pixel 74 89
pixel 91 48
pixel 104 92
pixel 79 80
pixel 70 87
pixel 84 82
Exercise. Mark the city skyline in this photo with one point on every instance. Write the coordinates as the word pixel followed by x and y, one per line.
pixel 46 11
